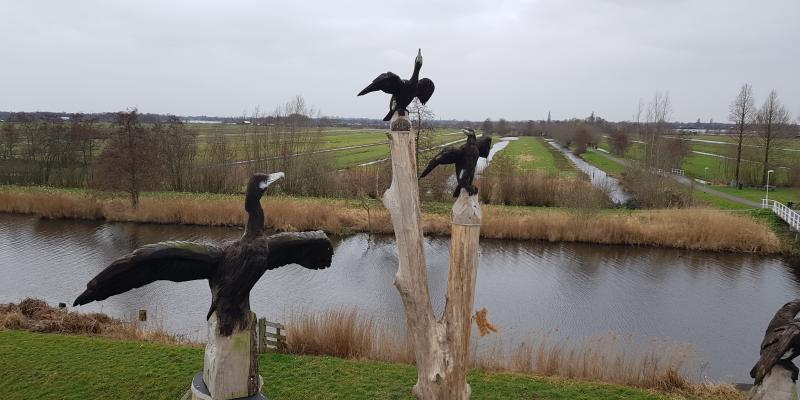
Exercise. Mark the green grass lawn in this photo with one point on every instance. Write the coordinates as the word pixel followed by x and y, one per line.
pixel 609 166
pixel 530 153
pixel 49 366
pixel 782 194
pixel 719 202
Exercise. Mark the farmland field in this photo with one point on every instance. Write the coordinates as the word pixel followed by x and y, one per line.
pixel 529 153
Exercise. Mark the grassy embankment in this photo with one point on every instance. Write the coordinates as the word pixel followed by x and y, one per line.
pixel 697 229
pixel 694 166
pixel 37 365
pixel 48 366
pixel 533 154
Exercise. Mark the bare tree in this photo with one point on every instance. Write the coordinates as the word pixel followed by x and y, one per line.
pixel 502 127
pixel 130 161
pixel 619 142
pixel 9 137
pixel 289 140
pixel 638 117
pixel 215 174
pixel 178 151
pixel 487 127
pixel 659 111
pixel 742 112
pixel 773 122
pixel 422 117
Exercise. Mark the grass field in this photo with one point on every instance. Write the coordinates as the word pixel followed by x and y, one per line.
pixel 781 194
pixel 696 163
pixel 530 153
pixel 49 366
pixel 374 141
pixel 604 163
pixel 718 202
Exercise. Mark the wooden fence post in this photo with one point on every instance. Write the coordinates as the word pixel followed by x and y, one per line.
pixel 262 335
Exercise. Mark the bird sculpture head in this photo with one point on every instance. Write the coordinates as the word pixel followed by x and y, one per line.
pixel 418 60
pixel 257 186
pixel 470 133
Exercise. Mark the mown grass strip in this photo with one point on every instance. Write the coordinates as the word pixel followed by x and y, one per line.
pixel 50 366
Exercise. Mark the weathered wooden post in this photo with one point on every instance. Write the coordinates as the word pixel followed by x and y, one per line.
pixel 777 385
pixel 230 367
pixel 440 346
pixel 262 335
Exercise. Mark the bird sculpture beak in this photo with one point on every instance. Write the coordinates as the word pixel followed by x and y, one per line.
pixel 271 178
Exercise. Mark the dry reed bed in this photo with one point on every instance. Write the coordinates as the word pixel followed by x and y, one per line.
pixel 695 228
pixel 37 316
pixel 660 365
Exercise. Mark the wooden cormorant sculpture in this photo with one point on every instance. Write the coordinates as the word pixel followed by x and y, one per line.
pixel 781 342
pixel 403 91
pixel 465 158
pixel 231 270
pixel 231 364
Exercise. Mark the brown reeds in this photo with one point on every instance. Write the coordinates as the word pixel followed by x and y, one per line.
pixel 37 316
pixel 692 228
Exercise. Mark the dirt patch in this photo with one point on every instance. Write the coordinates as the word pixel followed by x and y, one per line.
pixel 527 158
pixel 36 315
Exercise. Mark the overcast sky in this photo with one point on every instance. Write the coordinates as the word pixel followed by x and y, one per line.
pixel 498 59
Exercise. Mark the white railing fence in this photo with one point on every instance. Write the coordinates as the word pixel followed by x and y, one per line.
pixel 785 213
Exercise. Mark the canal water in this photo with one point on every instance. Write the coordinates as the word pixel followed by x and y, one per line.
pixel 597 176
pixel 720 303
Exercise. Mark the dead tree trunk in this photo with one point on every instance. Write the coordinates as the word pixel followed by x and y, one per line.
pixel 440 346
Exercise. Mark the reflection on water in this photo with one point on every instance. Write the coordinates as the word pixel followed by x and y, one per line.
pixel 721 303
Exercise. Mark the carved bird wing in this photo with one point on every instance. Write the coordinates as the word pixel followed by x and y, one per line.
pixel 425 89
pixel 171 261
pixel 312 250
pixel 484 145
pixel 776 344
pixel 448 155
pixel 784 315
pixel 387 82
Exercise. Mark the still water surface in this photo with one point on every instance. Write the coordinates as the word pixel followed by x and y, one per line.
pixel 720 303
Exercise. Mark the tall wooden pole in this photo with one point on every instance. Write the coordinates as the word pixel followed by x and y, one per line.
pixel 440 346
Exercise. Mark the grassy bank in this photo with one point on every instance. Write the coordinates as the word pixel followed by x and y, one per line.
pixel 696 229
pixel 49 366
pixel 661 365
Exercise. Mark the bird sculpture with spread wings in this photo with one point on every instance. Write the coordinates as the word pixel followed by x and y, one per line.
pixel 403 91
pixel 465 158
pixel 231 270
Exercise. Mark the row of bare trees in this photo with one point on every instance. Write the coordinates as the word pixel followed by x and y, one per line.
pixel 768 125
pixel 131 156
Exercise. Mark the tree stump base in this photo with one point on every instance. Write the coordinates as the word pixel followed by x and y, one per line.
pixel 230 367
pixel 200 391
pixel 777 385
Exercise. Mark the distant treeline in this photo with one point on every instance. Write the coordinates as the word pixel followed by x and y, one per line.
pixel 501 126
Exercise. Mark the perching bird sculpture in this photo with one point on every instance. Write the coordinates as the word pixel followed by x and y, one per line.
pixel 465 158
pixel 781 343
pixel 231 270
pixel 403 91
